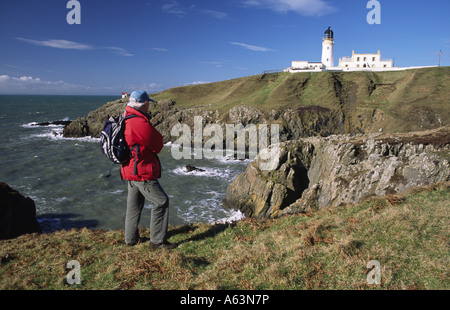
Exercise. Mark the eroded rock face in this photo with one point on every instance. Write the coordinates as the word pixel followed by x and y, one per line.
pixel 17 214
pixel 314 173
pixel 261 192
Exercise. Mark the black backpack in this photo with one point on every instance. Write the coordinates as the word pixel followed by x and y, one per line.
pixel 112 141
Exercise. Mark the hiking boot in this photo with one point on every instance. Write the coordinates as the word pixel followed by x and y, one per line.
pixel 164 245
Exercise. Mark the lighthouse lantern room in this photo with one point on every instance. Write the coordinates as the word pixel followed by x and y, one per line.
pixel 327 48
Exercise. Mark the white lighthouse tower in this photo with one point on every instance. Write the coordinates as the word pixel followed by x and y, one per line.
pixel 327 48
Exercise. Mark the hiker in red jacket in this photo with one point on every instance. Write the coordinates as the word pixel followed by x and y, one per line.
pixel 142 172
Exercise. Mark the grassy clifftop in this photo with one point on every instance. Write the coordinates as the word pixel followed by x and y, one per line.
pixel 417 97
pixel 329 249
pixel 304 104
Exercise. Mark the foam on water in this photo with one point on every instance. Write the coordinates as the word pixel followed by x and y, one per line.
pixel 204 172
pixel 55 132
pixel 235 216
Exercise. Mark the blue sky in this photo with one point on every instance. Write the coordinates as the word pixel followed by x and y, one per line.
pixel 159 44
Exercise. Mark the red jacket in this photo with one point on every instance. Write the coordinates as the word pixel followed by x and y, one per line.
pixel 138 130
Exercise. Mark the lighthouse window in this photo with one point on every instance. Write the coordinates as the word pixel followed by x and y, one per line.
pixel 328 47
pixel 373 58
pixel 365 58
pixel 357 59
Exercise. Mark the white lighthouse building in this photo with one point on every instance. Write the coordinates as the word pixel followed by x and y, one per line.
pixel 327 48
pixel 357 62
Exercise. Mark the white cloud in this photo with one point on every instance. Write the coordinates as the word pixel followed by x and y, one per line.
pixel 302 7
pixel 174 8
pixel 29 85
pixel 253 47
pixel 217 64
pixel 32 85
pixel 62 44
pixel 4 78
pixel 119 51
pixel 159 49
pixel 36 86
pixel 148 87
pixel 214 14
pixel 65 44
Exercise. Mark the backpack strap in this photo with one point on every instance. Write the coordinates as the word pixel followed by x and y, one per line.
pixel 130 116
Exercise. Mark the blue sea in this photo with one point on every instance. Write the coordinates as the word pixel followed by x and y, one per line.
pixel 66 177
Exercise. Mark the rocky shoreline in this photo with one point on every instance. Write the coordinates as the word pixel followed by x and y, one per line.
pixel 302 122
pixel 341 134
pixel 314 173
pixel 311 174
pixel 323 162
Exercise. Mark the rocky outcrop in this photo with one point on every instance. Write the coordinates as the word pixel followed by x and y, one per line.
pixel 17 214
pixel 92 124
pixel 314 173
pixel 294 123
pixel 164 116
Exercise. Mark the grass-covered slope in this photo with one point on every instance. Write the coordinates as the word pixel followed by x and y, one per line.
pixel 386 90
pixel 408 235
pixel 411 95
pixel 319 103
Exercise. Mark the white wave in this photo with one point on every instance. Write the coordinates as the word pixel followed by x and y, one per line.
pixel 171 144
pixel 234 217
pixel 84 139
pixel 30 125
pixel 116 192
pixel 37 125
pixel 55 132
pixel 209 210
pixel 204 172
pixel 233 160
pixel 58 135
pixel 48 134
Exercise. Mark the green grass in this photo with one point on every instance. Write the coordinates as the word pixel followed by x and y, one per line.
pixel 328 249
pixel 349 102
pixel 397 101
pixel 281 89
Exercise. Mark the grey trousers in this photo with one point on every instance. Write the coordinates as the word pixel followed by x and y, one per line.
pixel 159 221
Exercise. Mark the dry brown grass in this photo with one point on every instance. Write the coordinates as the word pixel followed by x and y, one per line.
pixel 328 249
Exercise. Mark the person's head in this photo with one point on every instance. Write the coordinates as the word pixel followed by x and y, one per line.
pixel 140 100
